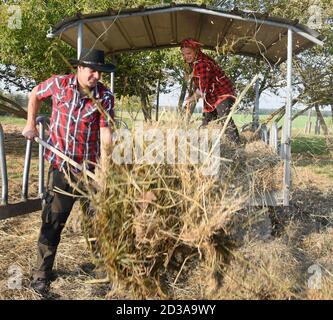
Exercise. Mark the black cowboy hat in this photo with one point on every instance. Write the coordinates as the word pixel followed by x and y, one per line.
pixel 93 59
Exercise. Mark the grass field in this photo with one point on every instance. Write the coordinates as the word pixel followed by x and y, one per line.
pixel 300 143
pixel 298 124
pixel 12 120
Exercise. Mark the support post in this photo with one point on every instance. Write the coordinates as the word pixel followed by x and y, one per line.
pixel 79 39
pixel 317 127
pixel 112 82
pixel 264 133
pixel 157 98
pixel 3 170
pixel 286 143
pixel 256 106
pixel 273 137
pixel 112 75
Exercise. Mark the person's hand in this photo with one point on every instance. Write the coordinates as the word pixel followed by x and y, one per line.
pixel 30 132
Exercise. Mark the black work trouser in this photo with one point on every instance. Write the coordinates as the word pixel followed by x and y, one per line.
pixel 55 212
pixel 221 113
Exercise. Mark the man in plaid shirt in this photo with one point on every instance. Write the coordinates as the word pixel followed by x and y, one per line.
pixel 79 131
pixel 212 85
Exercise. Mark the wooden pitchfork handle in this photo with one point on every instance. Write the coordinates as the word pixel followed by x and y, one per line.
pixel 64 157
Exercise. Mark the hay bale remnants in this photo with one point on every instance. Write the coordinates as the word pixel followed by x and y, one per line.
pixel 157 222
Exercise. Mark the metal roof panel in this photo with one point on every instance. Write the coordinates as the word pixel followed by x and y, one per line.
pixel 157 27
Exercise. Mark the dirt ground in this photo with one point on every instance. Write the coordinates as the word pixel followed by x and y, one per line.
pixel 307 232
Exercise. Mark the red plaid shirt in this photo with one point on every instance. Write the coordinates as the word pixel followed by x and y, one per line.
pixel 75 120
pixel 211 81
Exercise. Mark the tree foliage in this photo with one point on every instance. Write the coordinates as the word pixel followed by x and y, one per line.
pixel 27 56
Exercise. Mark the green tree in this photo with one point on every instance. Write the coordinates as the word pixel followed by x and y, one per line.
pixel 312 74
pixel 27 56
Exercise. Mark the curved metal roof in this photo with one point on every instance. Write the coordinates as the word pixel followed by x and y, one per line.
pixel 244 33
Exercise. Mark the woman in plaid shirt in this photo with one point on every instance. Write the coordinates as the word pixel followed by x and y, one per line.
pixel 212 85
pixel 79 131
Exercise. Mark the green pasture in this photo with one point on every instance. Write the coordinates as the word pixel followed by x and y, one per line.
pixel 311 144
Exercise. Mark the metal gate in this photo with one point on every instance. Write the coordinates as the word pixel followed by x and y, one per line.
pixel 26 205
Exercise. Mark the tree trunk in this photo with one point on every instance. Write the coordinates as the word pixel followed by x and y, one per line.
pixel 145 106
pixel 321 120
pixel 182 97
pixel 332 112
pixel 307 128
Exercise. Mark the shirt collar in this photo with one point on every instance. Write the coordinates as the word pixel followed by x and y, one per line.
pixel 75 85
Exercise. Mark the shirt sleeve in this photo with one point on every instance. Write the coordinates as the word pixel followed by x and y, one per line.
pixel 48 88
pixel 108 105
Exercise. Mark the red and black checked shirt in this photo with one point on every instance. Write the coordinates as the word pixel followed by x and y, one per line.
pixel 211 81
pixel 75 120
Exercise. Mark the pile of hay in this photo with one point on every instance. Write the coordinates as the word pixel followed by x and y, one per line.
pixel 264 167
pixel 258 270
pixel 156 222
